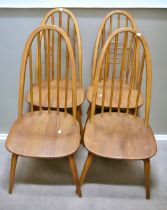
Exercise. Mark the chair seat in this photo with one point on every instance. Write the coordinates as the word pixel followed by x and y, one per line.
pixel 53 94
pixel 119 136
pixel 115 100
pixel 45 135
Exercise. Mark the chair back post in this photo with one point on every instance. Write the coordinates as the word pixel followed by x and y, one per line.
pixel 148 82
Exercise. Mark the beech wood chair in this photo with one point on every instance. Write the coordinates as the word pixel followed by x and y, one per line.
pixel 116 134
pixel 60 59
pixel 45 133
pixel 112 21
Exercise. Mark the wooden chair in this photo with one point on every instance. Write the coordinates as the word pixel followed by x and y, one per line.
pixel 112 21
pixel 67 21
pixel 45 133
pixel 121 135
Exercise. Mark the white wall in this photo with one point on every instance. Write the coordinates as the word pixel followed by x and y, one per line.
pixel 83 4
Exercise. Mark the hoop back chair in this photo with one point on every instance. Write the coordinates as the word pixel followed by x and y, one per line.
pixel 60 60
pixel 120 135
pixel 60 57
pixel 44 133
pixel 112 21
pixel 67 21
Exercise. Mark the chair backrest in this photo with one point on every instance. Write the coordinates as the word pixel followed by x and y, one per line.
pixel 137 63
pixel 39 41
pixel 67 21
pixel 111 22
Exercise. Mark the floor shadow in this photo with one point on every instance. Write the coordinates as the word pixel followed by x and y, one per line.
pixel 115 172
pixel 44 171
pixel 57 171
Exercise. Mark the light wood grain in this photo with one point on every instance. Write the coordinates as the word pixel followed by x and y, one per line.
pixel 64 93
pixel 44 135
pixel 115 97
pixel 119 136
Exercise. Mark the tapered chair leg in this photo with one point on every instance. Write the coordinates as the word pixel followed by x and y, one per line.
pixel 80 124
pixel 88 110
pixel 86 167
pixel 75 174
pixel 88 116
pixel 80 109
pixel 12 171
pixel 147 177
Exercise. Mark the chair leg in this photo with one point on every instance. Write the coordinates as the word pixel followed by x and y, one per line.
pixel 80 124
pixel 147 177
pixel 80 109
pixel 75 174
pixel 132 111
pixel 88 111
pixel 86 167
pixel 12 171
pixel 88 116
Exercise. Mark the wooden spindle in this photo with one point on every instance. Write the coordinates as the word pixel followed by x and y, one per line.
pixel 59 46
pixel 131 77
pixel 113 71
pixel 108 50
pixel 129 56
pixel 103 35
pixel 48 68
pixel 110 30
pixel 58 72
pixel 139 83
pixel 67 65
pixel 118 21
pixel 39 72
pixel 103 41
pixel 45 52
pixel 137 63
pixel 123 61
pixel 108 54
pixel 31 78
pixel 104 87
pixel 36 69
pixel 107 62
pixel 52 22
pixel 74 41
